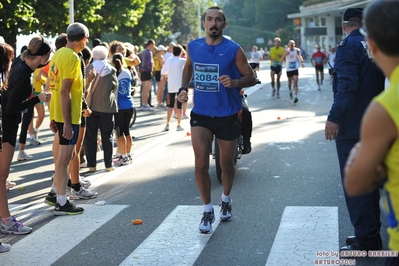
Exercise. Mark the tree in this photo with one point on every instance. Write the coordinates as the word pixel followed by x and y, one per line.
pixel 154 22
pixel 252 19
pixel 46 17
pixel 118 17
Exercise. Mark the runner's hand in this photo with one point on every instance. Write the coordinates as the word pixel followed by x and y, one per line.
pixel 227 81
pixel 182 95
pixel 68 131
pixel 53 127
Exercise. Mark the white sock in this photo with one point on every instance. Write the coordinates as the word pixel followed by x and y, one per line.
pixel 61 199
pixel 225 198
pixel 53 189
pixel 124 155
pixel 208 207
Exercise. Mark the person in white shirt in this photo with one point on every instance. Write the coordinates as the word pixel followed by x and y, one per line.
pixel 173 70
pixel 256 56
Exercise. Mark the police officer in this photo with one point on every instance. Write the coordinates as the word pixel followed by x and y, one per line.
pixel 357 80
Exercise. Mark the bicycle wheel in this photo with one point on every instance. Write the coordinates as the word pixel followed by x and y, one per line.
pixel 217 161
pixel 133 120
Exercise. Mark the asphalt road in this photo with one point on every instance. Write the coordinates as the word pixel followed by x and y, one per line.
pixel 291 164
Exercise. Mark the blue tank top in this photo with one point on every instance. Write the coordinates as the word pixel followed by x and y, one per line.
pixel 125 100
pixel 209 62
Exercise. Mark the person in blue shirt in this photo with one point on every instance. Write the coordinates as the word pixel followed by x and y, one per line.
pixel 357 80
pixel 220 68
pixel 125 111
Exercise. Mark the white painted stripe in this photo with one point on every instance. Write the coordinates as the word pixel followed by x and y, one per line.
pixel 45 241
pixel 303 231
pixel 176 241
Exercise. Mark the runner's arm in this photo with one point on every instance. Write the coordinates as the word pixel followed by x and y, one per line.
pixel 187 71
pixel 248 78
pixel 363 168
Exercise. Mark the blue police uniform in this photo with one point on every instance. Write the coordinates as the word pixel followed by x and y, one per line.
pixel 357 80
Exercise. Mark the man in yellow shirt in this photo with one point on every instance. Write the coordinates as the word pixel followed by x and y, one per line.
pixel 66 84
pixel 376 155
pixel 276 53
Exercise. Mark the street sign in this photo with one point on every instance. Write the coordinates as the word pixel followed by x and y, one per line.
pixel 260 40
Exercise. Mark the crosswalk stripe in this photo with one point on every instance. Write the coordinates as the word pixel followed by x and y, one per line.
pixel 50 242
pixel 303 231
pixel 176 241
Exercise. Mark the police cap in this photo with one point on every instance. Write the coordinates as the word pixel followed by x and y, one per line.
pixel 353 14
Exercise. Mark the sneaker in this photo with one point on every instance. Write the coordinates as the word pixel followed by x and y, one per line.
pixel 22 156
pixel 278 94
pixel 185 117
pixel 174 116
pixel 122 161
pixel 273 92
pixel 4 247
pixel 15 227
pixel 82 194
pixel 225 211
pixel 130 159
pixel 92 169
pixel 146 108
pixel 160 106
pixel 109 169
pixel 166 128
pixel 10 184
pixel 67 209
pixel 83 165
pixel 50 199
pixel 84 182
pixel 34 141
pixel 291 95
pixel 296 100
pixel 319 89
pixel 179 128
pixel 205 226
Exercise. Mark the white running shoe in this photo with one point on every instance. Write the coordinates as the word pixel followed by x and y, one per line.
pixel 10 184
pixel 225 211
pixel 4 247
pixel 14 227
pixel 84 182
pixel 205 225
pixel 82 194
pixel 22 156
pixel 34 141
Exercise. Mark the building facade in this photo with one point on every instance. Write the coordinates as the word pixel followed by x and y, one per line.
pixel 321 24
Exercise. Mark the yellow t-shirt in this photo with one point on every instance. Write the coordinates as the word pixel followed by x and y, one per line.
pixel 38 82
pixel 157 65
pixel 389 201
pixel 275 55
pixel 65 64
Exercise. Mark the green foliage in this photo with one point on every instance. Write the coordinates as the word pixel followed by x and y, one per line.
pixel 252 19
pixel 117 17
pixel 137 21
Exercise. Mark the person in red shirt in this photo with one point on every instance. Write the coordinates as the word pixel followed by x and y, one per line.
pixel 318 60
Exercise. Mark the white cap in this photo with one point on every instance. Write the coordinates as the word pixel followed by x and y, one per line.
pixel 161 47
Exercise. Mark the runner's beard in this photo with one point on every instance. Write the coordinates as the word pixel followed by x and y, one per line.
pixel 214 33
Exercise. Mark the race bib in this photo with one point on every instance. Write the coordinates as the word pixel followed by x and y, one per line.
pixel 319 60
pixel 206 77
pixel 275 64
pixel 292 65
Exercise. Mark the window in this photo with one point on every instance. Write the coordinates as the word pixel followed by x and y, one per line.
pixel 323 22
pixel 310 23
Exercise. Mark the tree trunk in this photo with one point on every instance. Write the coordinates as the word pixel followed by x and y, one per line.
pixel 11 38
